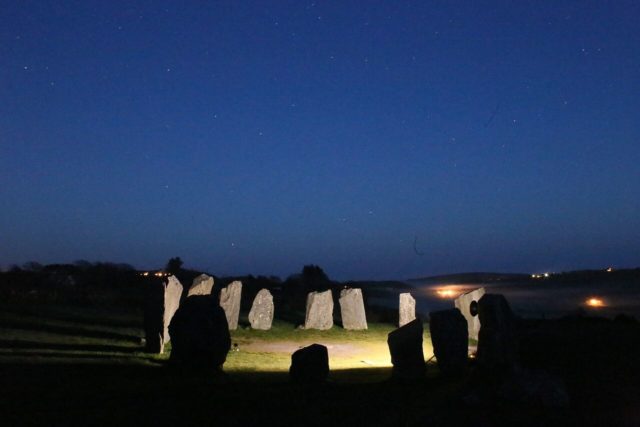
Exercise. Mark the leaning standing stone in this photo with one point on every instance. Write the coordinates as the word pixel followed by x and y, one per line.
pixel 261 314
pixel 352 309
pixel 319 311
pixel 202 285
pixel 468 306
pixel 172 294
pixel 230 302
pixel 497 338
pixel 405 346
pixel 407 309
pixel 450 340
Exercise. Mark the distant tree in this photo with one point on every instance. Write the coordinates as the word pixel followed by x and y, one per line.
pixel 32 266
pixel 174 265
pixel 314 274
pixel 82 264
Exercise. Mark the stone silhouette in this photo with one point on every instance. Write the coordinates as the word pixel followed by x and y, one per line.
pixel 261 313
pixel 199 335
pixel 202 285
pixel 407 357
pixel 467 304
pixel 497 337
pixel 319 311
pixel 230 303
pixel 162 301
pixel 352 309
pixel 450 340
pixel 407 309
pixel 310 364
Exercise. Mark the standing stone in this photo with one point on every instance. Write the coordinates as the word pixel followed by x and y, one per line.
pixel 405 346
pixel 497 337
pixel 161 302
pixel 199 335
pixel 319 311
pixel 352 309
pixel 468 306
pixel 230 302
pixel 450 340
pixel 261 313
pixel 202 285
pixel 407 309
pixel 310 364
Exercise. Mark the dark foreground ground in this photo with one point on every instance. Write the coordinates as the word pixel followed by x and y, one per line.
pixel 84 383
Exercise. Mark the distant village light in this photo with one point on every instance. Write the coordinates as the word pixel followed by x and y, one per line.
pixel 595 302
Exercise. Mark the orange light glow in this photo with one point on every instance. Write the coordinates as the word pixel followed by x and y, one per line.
pixel 447 293
pixel 595 302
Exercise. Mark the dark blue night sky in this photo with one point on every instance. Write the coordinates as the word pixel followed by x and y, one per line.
pixel 376 139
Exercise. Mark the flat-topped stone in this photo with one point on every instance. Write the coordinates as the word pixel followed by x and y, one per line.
pixel 352 309
pixel 407 309
pixel 450 340
pixel 319 311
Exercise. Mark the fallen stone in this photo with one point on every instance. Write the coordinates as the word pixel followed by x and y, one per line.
pixel 468 306
pixel 199 335
pixel 202 285
pixel 407 309
pixel 497 337
pixel 450 340
pixel 230 303
pixel 352 309
pixel 405 346
pixel 261 313
pixel 319 311
pixel 310 364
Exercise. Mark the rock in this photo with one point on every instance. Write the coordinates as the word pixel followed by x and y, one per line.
pixel 161 302
pixel 405 346
pixel 199 334
pixel 352 309
pixel 310 364
pixel 468 306
pixel 230 302
pixel 534 387
pixel 497 337
pixel 450 340
pixel 202 285
pixel 319 311
pixel 407 309
pixel 261 314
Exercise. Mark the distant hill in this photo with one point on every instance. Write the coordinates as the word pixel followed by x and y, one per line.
pixel 475 277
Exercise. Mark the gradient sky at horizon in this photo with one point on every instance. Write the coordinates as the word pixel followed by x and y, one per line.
pixel 376 139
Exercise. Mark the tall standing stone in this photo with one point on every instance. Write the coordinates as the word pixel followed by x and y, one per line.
pixel 450 340
pixel 161 302
pixel 352 309
pixel 407 309
pixel 319 311
pixel 202 285
pixel 497 337
pixel 468 306
pixel 407 357
pixel 230 303
pixel 261 313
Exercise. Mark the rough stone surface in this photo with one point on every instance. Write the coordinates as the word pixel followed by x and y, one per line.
pixel 352 309
pixel 319 311
pixel 310 364
pixel 199 334
pixel 405 346
pixel 161 302
pixel 450 340
pixel 407 309
pixel 230 303
pixel 497 337
pixel 202 285
pixel 463 303
pixel 261 313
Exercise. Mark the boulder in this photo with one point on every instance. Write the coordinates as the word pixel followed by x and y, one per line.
pixel 161 302
pixel 450 340
pixel 352 309
pixel 230 303
pixel 497 337
pixel 199 335
pixel 468 306
pixel 261 313
pixel 202 285
pixel 407 309
pixel 310 364
pixel 319 311
pixel 405 346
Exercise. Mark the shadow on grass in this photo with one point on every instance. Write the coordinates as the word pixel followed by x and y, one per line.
pixel 26 345
pixel 68 330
